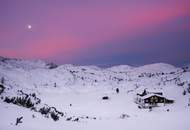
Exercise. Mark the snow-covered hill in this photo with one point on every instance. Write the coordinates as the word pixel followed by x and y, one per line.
pixel 74 94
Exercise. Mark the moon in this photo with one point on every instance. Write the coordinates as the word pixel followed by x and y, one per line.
pixel 29 26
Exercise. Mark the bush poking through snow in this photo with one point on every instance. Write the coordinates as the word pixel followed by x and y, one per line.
pixel 184 92
pixel 2 80
pixel 188 89
pixel 123 116
pixel 18 120
pixel 54 116
pixel 44 110
pixel 8 100
pixel 2 88
pixel 51 111
pixel 30 101
pixel 33 116
pixel 25 102
pixel 20 101
pixel 51 65
pixel 181 84
pixel 69 118
pixel 117 90
pixel 34 103
pixel 105 98
pixel 76 119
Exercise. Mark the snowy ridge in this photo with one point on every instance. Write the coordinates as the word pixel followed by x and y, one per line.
pixel 156 67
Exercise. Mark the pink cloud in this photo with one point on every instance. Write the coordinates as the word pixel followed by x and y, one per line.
pixel 43 48
pixel 101 25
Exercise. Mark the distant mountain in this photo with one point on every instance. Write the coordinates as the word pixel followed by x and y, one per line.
pixel 46 74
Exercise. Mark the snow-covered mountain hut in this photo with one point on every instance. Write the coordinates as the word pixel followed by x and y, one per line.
pixel 151 99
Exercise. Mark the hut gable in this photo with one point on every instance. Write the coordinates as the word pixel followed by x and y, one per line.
pixel 153 98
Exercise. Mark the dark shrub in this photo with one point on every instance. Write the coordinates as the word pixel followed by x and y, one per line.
pixel 55 85
pixel 181 84
pixel 123 116
pixel 69 118
pixel 44 110
pixel 76 119
pixel 2 80
pixel 8 100
pixel 117 90
pixel 23 101
pixel 56 111
pixel 34 109
pixel 52 65
pixel 188 89
pixel 33 116
pixel 105 98
pixel 54 116
pixel 18 120
pixel 29 104
pixel 33 95
pixel 184 92
pixel 2 88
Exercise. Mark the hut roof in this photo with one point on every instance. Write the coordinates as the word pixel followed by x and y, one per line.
pixel 150 95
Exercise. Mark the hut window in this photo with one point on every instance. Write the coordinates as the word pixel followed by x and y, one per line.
pixel 152 99
pixel 155 99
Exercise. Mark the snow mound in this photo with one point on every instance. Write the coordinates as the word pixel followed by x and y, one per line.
pixel 120 68
pixel 156 67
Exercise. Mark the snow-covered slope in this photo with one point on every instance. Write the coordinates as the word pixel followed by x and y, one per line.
pixel 77 92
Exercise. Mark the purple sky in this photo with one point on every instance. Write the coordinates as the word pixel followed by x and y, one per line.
pixel 101 32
